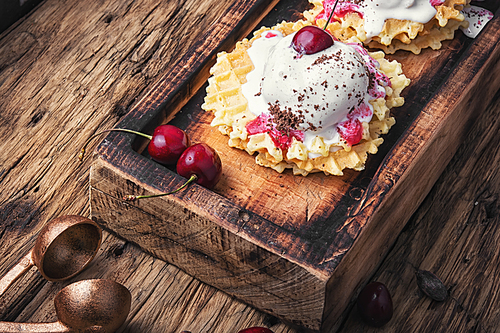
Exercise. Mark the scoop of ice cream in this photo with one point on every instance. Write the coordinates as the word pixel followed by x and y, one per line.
pixel 305 96
pixel 313 91
pixel 390 4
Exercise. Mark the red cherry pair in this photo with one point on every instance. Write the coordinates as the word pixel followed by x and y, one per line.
pixel 170 145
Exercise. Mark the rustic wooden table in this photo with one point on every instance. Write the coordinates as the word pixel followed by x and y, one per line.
pixel 72 68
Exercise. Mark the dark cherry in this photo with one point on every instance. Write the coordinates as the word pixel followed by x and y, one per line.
pixel 202 161
pixel 375 304
pixel 311 39
pixel 167 144
pixel 256 330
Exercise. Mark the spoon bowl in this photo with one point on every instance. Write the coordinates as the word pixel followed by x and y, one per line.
pixel 63 248
pixel 102 305
pixel 97 306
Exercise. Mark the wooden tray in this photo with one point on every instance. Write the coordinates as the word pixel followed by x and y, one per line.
pixel 296 247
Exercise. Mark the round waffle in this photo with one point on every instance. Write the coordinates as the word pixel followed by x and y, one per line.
pixel 231 115
pixel 396 34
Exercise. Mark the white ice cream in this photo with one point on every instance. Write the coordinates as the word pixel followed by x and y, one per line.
pixel 478 18
pixel 322 88
pixel 377 11
pixel 311 93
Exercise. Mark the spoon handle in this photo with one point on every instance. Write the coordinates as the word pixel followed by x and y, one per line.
pixel 16 272
pixel 56 327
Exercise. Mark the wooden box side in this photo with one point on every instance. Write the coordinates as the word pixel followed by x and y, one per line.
pixel 206 237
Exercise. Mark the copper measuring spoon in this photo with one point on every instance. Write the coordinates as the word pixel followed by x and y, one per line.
pixel 64 247
pixel 88 306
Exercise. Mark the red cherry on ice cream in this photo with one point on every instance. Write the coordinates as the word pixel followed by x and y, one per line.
pixel 167 144
pixel 311 39
pixel 256 330
pixel 202 161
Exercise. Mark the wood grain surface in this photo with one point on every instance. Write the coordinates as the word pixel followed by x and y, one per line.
pixel 72 68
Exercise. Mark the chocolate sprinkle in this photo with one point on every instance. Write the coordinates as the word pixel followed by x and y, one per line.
pixel 286 120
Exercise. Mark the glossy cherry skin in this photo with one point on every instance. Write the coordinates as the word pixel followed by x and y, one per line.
pixel 311 39
pixel 204 162
pixel 256 330
pixel 167 144
pixel 375 304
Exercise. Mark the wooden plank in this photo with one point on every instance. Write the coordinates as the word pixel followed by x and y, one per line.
pixel 325 231
pixel 211 251
pixel 66 71
pixel 40 178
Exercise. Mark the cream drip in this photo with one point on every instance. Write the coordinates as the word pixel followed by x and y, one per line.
pixel 478 18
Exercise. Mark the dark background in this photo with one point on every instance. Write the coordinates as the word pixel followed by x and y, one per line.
pixel 13 10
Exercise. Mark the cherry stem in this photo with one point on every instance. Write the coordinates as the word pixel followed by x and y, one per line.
pixel 331 14
pixel 136 197
pixel 82 152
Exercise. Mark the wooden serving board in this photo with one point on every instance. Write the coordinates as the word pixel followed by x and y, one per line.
pixel 297 247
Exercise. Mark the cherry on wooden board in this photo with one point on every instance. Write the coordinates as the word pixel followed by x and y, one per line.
pixel 202 161
pixel 166 145
pixel 256 330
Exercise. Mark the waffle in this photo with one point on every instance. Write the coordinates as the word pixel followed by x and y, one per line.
pixel 231 114
pixel 396 34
